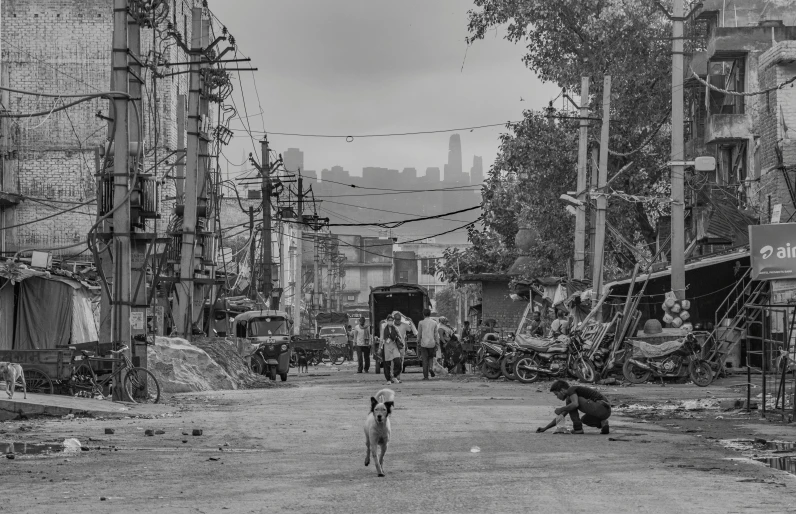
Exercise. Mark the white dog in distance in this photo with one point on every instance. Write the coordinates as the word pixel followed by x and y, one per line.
pixel 377 427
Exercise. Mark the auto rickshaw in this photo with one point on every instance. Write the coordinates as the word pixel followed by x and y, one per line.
pixel 268 331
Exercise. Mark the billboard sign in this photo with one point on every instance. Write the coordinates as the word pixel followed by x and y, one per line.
pixel 772 250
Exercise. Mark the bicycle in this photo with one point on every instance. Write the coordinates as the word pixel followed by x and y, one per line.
pixel 139 384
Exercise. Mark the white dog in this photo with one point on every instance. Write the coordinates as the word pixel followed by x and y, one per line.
pixel 377 427
pixel 11 373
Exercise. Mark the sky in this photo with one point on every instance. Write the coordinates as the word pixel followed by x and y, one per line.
pixel 351 67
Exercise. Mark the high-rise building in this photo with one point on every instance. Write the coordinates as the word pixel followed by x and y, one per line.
pixel 477 171
pixel 453 170
pixel 293 159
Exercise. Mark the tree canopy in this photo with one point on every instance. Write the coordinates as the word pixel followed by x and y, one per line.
pixel 566 40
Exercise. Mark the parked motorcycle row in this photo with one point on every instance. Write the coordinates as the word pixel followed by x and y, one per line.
pixel 568 356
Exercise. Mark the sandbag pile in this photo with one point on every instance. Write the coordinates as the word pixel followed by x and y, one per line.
pixel 676 312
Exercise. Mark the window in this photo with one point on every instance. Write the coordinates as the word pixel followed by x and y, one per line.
pixel 351 298
pixel 727 73
pixel 403 276
pixel 428 266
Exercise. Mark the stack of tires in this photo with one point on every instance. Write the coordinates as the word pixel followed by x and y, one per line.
pixel 676 312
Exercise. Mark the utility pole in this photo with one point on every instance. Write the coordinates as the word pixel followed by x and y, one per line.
pixel 316 297
pixel 252 248
pixel 580 217
pixel 602 200
pixel 265 172
pixel 121 294
pixel 595 155
pixel 678 155
pixel 185 287
pixel 298 289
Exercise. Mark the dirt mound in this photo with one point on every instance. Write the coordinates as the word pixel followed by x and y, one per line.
pixel 225 353
pixel 181 367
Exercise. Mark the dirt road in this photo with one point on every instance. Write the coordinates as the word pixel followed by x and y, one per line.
pixel 458 446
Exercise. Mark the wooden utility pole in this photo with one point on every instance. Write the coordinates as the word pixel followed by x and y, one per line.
pixel 298 289
pixel 678 155
pixel 602 200
pixel 267 283
pixel 183 314
pixel 122 279
pixel 579 271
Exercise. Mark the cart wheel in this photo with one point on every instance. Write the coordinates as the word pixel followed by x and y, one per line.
pixel 258 365
pixel 37 382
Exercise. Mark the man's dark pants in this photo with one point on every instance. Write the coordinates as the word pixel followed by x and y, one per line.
pixel 388 364
pixel 427 358
pixel 363 356
pixel 594 413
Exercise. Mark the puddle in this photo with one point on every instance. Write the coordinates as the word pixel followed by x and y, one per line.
pixel 781 446
pixel 782 463
pixel 31 448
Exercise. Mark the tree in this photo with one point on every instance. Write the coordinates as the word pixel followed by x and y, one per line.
pixel 566 40
pixel 445 303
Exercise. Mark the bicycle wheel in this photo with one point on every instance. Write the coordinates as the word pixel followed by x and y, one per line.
pixel 82 381
pixel 141 386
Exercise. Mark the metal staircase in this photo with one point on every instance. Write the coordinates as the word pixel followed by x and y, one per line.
pixel 735 308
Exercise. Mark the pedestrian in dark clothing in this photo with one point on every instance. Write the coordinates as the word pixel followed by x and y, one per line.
pixel 536 326
pixel 393 343
pixel 591 403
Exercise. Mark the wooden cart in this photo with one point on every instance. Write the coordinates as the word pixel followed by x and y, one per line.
pixel 42 368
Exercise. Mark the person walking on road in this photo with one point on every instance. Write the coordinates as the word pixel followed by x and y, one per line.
pixel 428 338
pixel 362 344
pixel 591 403
pixel 393 343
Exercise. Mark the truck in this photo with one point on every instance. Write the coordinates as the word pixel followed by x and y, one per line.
pixel 408 299
pixel 332 326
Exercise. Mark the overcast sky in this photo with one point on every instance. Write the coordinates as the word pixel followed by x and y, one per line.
pixel 375 66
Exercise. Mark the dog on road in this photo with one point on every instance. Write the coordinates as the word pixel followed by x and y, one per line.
pixel 377 427
pixel 303 363
pixel 11 373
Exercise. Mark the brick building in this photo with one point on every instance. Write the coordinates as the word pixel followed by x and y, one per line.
pixel 496 301
pixel 49 162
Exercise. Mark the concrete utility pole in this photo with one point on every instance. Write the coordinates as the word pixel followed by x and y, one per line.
pixel 595 155
pixel 316 279
pixel 179 168
pixel 678 155
pixel 602 200
pixel 252 247
pixel 183 314
pixel 267 283
pixel 579 271
pixel 298 289
pixel 122 299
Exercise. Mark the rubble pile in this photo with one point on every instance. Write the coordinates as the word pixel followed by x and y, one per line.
pixel 181 367
pixel 226 354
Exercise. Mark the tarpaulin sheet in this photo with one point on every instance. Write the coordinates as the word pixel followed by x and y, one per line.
pixel 6 315
pixel 44 314
pixel 652 351
pixel 84 329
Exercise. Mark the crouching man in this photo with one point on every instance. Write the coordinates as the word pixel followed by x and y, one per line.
pixel 595 407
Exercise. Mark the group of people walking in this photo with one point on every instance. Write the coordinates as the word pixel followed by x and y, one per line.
pixel 391 346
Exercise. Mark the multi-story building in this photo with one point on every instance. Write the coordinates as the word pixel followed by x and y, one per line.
pixel 741 51
pixel 50 162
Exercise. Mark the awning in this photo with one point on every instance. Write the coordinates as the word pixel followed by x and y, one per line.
pixel 702 262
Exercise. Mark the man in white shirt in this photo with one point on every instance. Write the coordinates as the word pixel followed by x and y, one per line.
pixel 428 342
pixel 362 344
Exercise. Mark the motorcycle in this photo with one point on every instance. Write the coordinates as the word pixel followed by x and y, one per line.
pixel 672 359
pixel 490 356
pixel 560 357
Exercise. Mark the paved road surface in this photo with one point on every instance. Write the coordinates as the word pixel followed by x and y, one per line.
pixel 301 449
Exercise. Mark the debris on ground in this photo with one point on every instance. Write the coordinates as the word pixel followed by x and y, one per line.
pixel 197 432
pixel 226 354
pixel 181 367
pixel 109 431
